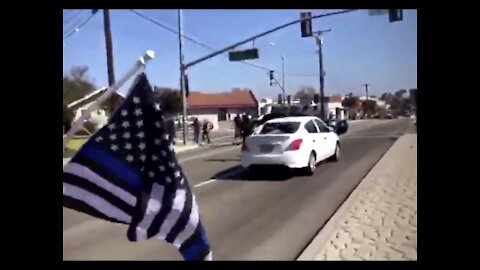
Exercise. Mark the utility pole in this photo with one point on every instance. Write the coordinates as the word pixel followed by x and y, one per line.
pixel 318 39
pixel 283 79
pixel 109 48
pixel 182 77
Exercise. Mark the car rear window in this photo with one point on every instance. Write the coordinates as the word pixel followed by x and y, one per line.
pixel 280 128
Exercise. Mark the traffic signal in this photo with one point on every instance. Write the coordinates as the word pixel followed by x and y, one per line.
pixel 187 91
pixel 306 25
pixel 270 73
pixel 316 98
pixel 395 15
pixel 289 99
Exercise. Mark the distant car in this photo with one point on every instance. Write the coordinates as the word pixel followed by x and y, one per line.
pixel 296 142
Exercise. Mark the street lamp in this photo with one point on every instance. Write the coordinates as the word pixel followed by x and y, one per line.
pixel 283 72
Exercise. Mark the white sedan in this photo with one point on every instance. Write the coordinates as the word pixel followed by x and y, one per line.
pixel 298 142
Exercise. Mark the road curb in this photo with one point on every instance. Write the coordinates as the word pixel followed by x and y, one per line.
pixel 320 240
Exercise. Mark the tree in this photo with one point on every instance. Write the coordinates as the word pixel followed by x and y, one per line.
pixel 350 101
pixel 68 116
pixel 170 99
pixel 77 84
pixel 369 107
pixel 400 93
pixel 305 93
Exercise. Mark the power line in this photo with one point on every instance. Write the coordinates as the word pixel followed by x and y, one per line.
pixel 196 41
pixel 73 22
pixel 80 26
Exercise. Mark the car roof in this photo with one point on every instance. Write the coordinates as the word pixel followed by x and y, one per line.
pixel 300 119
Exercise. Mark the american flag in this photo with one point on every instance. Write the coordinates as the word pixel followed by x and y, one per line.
pixel 127 172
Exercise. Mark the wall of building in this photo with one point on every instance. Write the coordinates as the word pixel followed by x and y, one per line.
pixel 222 114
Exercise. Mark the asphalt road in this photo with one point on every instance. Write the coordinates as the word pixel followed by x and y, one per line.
pixel 272 217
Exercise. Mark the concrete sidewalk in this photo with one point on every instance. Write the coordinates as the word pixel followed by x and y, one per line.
pixel 378 221
pixel 178 148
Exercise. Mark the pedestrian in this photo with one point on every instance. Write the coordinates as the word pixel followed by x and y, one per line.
pixel 172 134
pixel 247 127
pixel 237 122
pixel 207 126
pixel 196 130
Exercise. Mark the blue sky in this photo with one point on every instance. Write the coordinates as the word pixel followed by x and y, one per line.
pixel 359 49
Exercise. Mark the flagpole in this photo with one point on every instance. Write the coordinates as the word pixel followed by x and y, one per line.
pixel 139 65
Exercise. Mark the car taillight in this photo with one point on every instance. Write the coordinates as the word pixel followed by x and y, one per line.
pixel 295 145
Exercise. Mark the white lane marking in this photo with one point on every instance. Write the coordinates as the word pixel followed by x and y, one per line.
pixel 205 183
pixel 224 176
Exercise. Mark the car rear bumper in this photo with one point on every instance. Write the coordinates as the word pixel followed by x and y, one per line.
pixel 288 159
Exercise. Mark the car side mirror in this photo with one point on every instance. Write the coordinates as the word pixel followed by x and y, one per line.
pixel 341 127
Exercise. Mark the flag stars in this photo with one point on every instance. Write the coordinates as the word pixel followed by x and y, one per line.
pixel 171 164
pixel 125 124
pixel 165 137
pixel 128 146
pixel 158 124
pixel 163 153
pixel 111 126
pixel 126 134
pixel 138 112
pixel 136 100
pixel 99 139
pixel 124 113
pixel 176 174
pixel 157 141
pixel 142 157
pixel 168 179
pixel 151 174
pixel 141 135
pixel 129 158
pixel 161 168
pixel 114 147
pixel 154 157
pixel 113 137
pixel 139 123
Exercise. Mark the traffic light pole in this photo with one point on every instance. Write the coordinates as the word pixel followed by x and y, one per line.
pixel 231 47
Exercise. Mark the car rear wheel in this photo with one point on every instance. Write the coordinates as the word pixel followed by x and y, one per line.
pixel 336 155
pixel 312 164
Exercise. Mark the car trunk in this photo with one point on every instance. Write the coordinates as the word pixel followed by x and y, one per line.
pixel 267 144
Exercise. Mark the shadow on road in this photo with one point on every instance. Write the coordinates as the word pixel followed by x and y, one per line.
pixel 267 173
pixel 222 159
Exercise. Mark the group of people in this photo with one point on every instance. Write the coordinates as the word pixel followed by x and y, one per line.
pixel 244 127
pixel 205 127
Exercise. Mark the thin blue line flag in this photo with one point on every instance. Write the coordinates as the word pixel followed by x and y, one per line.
pixel 127 172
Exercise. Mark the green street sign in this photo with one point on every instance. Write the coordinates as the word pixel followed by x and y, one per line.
pixel 243 55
